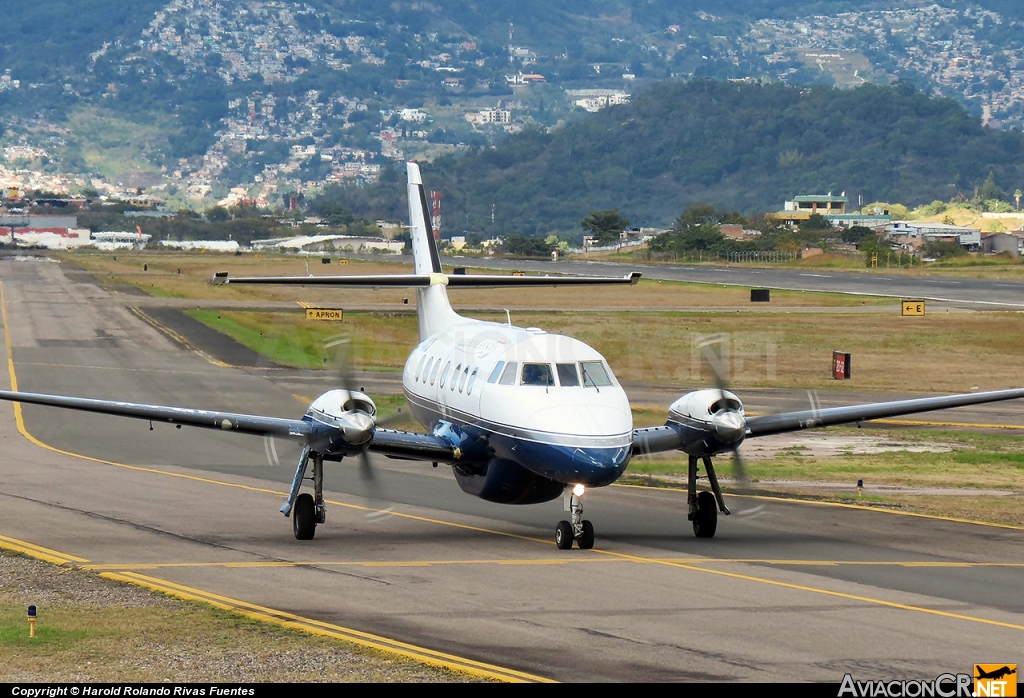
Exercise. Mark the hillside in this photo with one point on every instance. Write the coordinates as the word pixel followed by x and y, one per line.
pixel 741 146
pixel 218 101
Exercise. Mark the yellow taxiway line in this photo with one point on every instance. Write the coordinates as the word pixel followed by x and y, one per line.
pixel 316 627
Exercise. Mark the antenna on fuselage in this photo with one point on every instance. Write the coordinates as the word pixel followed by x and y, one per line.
pixel 508 317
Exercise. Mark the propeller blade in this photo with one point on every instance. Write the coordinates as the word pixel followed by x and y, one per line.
pixel 739 471
pixel 713 352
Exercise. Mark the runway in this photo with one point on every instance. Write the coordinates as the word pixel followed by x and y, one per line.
pixel 787 591
pixel 977 294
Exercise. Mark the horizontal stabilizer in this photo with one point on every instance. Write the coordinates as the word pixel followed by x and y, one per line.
pixel 426 280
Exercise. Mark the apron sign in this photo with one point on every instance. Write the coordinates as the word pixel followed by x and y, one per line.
pixel 324 314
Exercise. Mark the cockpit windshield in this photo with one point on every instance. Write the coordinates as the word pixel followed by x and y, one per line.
pixel 594 374
pixel 537 374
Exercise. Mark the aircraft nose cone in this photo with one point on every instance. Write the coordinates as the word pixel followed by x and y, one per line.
pixel 356 428
pixel 730 427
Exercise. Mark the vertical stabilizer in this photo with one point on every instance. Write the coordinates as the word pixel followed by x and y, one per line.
pixel 432 306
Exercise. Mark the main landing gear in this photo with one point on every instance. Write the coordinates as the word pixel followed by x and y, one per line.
pixel 577 529
pixel 307 510
pixel 704 507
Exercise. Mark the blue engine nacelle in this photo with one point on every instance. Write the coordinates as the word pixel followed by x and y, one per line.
pixel 503 482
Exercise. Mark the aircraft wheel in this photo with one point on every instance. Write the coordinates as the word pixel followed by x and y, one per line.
pixel 705 523
pixel 563 535
pixel 587 539
pixel 304 517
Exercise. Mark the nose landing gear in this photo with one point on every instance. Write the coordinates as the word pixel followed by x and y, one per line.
pixel 577 529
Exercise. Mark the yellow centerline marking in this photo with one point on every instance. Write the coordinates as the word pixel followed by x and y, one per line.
pixel 177 337
pixel 825 592
pixel 679 565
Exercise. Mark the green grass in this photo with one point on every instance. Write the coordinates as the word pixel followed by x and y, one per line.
pixel 379 341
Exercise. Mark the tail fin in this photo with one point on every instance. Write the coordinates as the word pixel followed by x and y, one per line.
pixel 424 248
pixel 432 305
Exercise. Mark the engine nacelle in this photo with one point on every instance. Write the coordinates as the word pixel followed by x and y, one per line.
pixel 703 405
pixel 343 420
pixel 708 422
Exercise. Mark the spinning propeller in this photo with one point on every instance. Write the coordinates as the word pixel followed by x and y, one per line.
pixel 728 422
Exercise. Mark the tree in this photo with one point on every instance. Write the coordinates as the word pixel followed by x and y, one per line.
pixel 605 226
pixel 1016 196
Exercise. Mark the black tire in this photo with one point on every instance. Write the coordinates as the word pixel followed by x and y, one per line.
pixel 586 541
pixel 705 523
pixel 304 517
pixel 563 535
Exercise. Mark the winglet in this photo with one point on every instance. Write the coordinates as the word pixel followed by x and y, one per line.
pixel 219 279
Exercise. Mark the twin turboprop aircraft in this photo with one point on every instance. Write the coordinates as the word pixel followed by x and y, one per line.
pixel 521 415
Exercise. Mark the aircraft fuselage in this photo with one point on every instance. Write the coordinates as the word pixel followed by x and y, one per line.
pixel 531 411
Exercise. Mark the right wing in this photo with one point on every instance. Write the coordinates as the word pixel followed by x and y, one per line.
pixel 389 442
pixel 224 421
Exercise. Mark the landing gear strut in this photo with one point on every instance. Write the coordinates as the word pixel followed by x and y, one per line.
pixel 577 529
pixel 307 510
pixel 704 507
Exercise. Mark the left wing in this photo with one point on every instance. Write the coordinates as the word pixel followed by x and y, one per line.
pixel 673 435
pixel 829 416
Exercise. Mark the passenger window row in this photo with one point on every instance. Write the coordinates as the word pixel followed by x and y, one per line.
pixel 461 378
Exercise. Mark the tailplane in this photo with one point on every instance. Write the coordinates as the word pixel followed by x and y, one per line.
pixel 433 309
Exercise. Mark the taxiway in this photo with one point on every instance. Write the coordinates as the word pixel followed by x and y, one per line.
pixel 787 591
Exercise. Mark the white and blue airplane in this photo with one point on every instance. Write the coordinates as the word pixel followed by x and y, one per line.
pixel 521 415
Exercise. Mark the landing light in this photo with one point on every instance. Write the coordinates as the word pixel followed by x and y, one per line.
pixel 578 490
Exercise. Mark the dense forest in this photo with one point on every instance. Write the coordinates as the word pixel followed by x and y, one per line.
pixel 740 146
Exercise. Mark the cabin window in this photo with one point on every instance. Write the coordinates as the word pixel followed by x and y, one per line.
pixel 537 374
pixel 567 375
pixel 455 377
pixel 594 374
pixel 496 372
pixel 462 381
pixel 444 374
pixel 472 382
pixel 419 368
pixel 508 377
pixel 433 371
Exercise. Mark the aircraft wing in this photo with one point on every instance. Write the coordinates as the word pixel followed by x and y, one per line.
pixel 672 436
pixel 807 419
pixel 425 280
pixel 225 421
pixel 388 442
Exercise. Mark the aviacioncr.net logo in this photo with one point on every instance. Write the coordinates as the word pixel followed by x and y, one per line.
pixel 995 680
pixel 943 686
